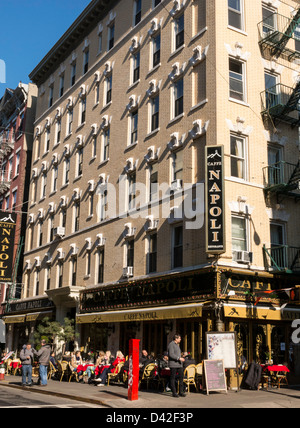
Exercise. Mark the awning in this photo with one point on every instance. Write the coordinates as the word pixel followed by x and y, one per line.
pixel 248 311
pixel 193 310
pixel 36 315
pixel 14 319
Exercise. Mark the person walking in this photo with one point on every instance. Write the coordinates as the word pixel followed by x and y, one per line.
pixel 27 357
pixel 176 365
pixel 44 357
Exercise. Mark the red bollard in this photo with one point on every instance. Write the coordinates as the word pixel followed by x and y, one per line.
pixel 2 371
pixel 134 369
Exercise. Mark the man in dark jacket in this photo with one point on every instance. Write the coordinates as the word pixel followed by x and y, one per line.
pixel 176 365
pixel 27 357
pixel 44 356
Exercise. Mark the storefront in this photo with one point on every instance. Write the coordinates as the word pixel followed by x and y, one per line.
pixel 149 310
pixel 22 319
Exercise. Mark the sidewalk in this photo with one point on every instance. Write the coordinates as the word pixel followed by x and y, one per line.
pixel 115 396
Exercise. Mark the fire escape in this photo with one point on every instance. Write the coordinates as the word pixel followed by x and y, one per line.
pixel 6 147
pixel 280 36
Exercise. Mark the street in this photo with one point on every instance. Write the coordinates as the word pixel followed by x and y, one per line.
pixel 11 398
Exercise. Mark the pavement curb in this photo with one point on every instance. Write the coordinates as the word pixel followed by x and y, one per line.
pixel 58 394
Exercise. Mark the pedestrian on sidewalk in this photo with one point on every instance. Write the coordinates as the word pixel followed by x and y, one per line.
pixel 27 357
pixel 176 365
pixel 44 357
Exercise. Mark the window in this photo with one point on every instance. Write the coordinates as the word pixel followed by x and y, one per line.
pixel 66 171
pixel 136 67
pixel 177 164
pixel 239 234
pixel 86 56
pixel 60 268
pixel 102 204
pixel 14 200
pixel 238 157
pixel 199 83
pixel 111 36
pixel 100 40
pixel 275 170
pixel 43 186
pixel 236 80
pixel 179 31
pixel 137 14
pixel 37 282
pixel 178 97
pixel 79 162
pixel 155 50
pixel 91 204
pixel 70 122
pixel 97 93
pixel 134 127
pixel 177 246
pixel 153 193
pixel 51 228
pixel 269 20
pixel 154 113
pixel 235 14
pixel 61 85
pixel 271 90
pixel 40 233
pixel 73 74
pixel 88 264
pixel 152 254
pixel 279 252
pixel 17 164
pixel 106 138
pixel 100 272
pixel 54 178
pixel 76 216
pixel 94 146
pixel 108 84
pixel 131 191
pixel 58 131
pixel 73 271
pixel 82 116
pixel 130 253
pixel 47 141
pixel 50 101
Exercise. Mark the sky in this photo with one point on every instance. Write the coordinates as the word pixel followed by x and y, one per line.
pixel 28 30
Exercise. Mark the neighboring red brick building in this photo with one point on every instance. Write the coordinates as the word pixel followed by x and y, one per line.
pixel 17 115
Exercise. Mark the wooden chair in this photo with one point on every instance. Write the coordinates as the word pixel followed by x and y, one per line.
pixel 73 373
pixel 52 370
pixel 8 366
pixel 116 375
pixel 17 368
pixel 149 374
pixel 199 375
pixel 161 381
pixel 63 368
pixel 189 377
pixel 281 379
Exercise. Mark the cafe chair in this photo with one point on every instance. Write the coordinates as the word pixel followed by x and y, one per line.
pixel 73 373
pixel 281 379
pixel 63 368
pixel 52 370
pixel 189 376
pixel 199 375
pixel 116 375
pixel 8 366
pixel 149 374
pixel 16 367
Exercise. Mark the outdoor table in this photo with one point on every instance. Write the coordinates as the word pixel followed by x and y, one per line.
pixel 272 372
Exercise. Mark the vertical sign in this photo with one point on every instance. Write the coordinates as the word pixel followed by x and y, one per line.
pixel 7 240
pixel 214 194
pixel 134 370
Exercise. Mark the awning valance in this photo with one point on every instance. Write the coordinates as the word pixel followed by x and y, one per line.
pixel 249 311
pixel 14 319
pixel 193 310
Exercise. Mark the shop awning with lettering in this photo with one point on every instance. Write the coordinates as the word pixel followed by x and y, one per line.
pixel 249 311
pixel 38 315
pixel 14 319
pixel 193 310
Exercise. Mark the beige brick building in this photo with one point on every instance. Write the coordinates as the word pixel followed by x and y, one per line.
pixel 129 98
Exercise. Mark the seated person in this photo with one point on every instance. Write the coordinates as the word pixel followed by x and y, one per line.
pixel 112 368
pixel 188 360
pixel 53 360
pixel 76 361
pixel 144 360
pixel 163 362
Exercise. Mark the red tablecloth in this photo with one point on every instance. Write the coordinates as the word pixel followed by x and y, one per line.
pixel 278 369
pixel 15 365
pixel 82 368
pixel 100 369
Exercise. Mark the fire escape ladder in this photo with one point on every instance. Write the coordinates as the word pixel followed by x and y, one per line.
pixel 287 35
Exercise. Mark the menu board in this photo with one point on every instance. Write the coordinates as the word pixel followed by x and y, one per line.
pixel 214 376
pixel 222 346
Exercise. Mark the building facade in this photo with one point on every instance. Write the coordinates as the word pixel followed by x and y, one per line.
pixel 17 113
pixel 120 233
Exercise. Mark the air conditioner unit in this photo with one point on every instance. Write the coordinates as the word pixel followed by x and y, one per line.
pixel 127 271
pixel 61 254
pixel 176 185
pixel 129 230
pixel 243 257
pixel 100 240
pixel 59 232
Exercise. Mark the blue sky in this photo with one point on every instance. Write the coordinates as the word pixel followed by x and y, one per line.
pixel 28 30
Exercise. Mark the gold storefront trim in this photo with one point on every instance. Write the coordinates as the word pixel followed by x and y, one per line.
pixel 260 313
pixel 150 314
pixel 14 319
